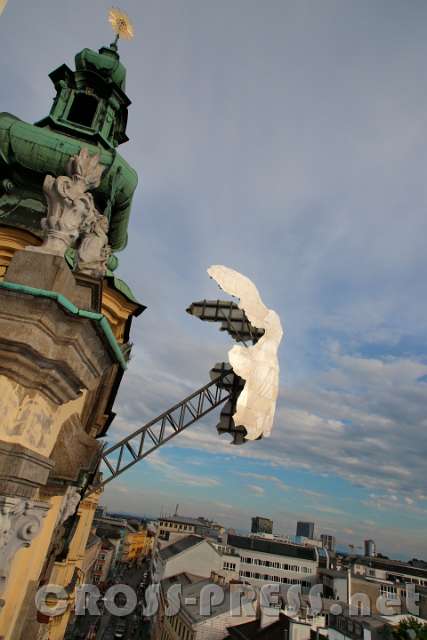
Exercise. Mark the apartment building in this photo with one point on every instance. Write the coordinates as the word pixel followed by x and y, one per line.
pixel 195 555
pixel 265 561
pixel 365 595
pixel 137 544
pixel 92 551
pixel 103 562
pixel 391 571
pixel 197 616
pixel 172 528
pixel 114 528
pixel 295 627
pixel 350 627
pixel 261 525
pixel 328 541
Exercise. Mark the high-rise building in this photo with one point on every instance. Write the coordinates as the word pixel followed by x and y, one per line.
pixel 305 529
pixel 261 525
pixel 328 542
pixel 370 549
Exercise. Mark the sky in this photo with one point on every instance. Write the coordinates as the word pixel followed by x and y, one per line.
pixel 286 139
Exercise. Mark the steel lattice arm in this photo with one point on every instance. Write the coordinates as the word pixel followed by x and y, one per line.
pixel 167 425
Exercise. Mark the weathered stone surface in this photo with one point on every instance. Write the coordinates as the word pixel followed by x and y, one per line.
pixel 94 250
pixel 89 292
pixel 42 271
pixel 75 452
pixel 22 470
pixel 45 348
pixel 20 522
pixel 71 210
pixel 70 503
pixel 52 273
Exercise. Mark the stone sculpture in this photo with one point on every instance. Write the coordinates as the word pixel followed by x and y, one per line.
pixel 258 364
pixel 72 218
pixel 20 522
pixel 94 250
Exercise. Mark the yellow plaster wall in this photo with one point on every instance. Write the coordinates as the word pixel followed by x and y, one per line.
pixel 11 240
pixel 137 545
pixel 30 411
pixel 117 309
pixel 63 571
pixel 31 420
pixel 26 567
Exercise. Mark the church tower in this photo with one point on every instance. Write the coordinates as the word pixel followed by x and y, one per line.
pixel 65 317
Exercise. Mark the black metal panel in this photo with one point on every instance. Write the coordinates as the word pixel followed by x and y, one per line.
pixel 232 319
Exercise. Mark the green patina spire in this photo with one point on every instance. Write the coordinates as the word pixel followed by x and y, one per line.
pixel 91 101
pixel 90 110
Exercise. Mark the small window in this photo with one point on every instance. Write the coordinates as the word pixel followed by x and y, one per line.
pixel 83 109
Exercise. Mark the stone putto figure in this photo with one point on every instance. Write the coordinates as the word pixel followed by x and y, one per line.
pixel 94 251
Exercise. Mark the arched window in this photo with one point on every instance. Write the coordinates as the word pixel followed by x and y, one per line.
pixel 83 109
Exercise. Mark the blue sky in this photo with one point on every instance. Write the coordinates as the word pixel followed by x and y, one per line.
pixel 286 139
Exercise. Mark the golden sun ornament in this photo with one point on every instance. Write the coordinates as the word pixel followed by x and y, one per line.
pixel 121 24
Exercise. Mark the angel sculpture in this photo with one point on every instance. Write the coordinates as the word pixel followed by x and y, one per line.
pixel 94 250
pixel 256 366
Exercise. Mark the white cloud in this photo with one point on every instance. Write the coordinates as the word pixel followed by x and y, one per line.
pixel 265 478
pixel 177 475
pixel 256 490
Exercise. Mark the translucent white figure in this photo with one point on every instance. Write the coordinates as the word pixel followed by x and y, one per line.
pixel 258 364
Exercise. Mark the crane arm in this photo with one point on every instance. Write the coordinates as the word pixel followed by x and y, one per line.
pixel 123 455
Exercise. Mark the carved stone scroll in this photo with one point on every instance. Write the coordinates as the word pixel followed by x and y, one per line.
pixel 71 210
pixel 20 522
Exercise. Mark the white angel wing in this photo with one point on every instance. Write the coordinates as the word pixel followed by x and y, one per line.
pixel 241 287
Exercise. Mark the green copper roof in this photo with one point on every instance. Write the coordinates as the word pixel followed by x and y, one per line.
pixel 28 153
pixel 105 62
pixel 125 290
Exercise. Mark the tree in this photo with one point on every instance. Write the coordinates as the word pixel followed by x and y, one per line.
pixel 410 629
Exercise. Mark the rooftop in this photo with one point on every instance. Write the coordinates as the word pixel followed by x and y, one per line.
pixel 392 565
pixel 199 522
pixel 180 546
pixel 192 592
pixel 182 579
pixel 253 631
pixel 273 547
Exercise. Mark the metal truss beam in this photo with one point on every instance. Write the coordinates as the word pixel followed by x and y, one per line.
pixel 139 444
pixel 232 319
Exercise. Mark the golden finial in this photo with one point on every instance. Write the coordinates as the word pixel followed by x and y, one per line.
pixel 121 24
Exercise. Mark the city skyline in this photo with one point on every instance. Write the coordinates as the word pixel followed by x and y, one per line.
pixel 288 142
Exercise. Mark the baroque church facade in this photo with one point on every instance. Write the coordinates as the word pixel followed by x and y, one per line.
pixel 65 319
